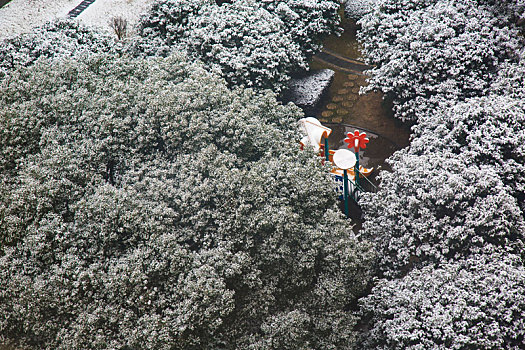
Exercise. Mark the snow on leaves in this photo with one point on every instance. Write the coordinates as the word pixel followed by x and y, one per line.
pixel 153 207
pixel 251 43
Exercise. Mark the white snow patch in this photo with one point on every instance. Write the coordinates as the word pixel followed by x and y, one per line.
pixel 306 92
pixel 101 11
pixel 19 16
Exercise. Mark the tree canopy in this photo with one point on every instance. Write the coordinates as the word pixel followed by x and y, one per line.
pixel 426 51
pixel 448 220
pixel 55 39
pixel 252 43
pixel 146 205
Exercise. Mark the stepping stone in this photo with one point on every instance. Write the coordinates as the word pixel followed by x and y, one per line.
pixel 337 119
pixel 352 97
pixel 352 77
pixel 331 106
pixel 343 91
pixel 342 111
pixel 349 84
pixel 355 90
pixel 327 114
pixel 338 98
pixel 348 104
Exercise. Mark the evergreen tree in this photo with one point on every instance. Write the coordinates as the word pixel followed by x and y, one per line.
pixel 147 206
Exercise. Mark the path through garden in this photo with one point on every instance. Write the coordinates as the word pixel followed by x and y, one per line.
pixel 344 105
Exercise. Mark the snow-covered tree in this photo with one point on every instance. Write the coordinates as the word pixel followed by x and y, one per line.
pixel 437 207
pixel 356 9
pixel 511 78
pixel 144 205
pixel 307 21
pixel 165 24
pixel 247 44
pixel 447 220
pixel 488 130
pixel 426 51
pixel 511 11
pixel 254 43
pixel 59 38
pixel 476 303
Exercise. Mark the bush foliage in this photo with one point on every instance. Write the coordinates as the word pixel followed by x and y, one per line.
pixel 427 51
pixel 56 39
pixel 448 221
pixel 476 303
pixel 252 43
pixel 146 205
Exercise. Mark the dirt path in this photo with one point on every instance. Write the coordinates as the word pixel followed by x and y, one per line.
pixel 344 105
pixel 342 63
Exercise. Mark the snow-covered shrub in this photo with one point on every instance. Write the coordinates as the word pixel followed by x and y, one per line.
pixel 307 21
pixel 440 206
pixel 476 303
pixel 254 43
pixel 510 80
pixel 167 20
pixel 150 207
pixel 139 105
pixel 307 91
pixel 486 130
pixel 423 49
pixel 161 28
pixel 356 9
pixel 59 38
pixel 447 219
pixel 249 45
pixel 507 10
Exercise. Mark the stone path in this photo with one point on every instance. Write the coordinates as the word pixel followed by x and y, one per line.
pixel 343 104
pixel 343 98
pixel 342 63
pixel 80 7
pixel 344 91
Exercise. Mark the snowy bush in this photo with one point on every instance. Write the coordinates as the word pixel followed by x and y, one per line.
pixel 149 207
pixel 253 43
pixel 307 91
pixel 424 49
pixel 437 207
pixel 487 130
pixel 138 106
pixel 447 219
pixel 356 9
pixel 507 10
pixel 307 21
pixel 510 80
pixel 168 19
pixel 249 45
pixel 476 303
pixel 60 38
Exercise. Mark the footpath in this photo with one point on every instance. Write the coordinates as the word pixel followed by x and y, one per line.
pixel 342 63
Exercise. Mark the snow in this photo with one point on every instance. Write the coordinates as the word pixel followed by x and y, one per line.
pixel 19 16
pixel 356 9
pixel 101 11
pixel 306 92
